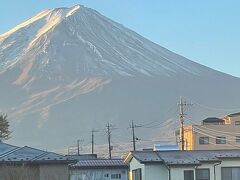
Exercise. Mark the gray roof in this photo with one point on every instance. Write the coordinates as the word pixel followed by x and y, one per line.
pixel 14 154
pixel 99 164
pixel 212 119
pixel 196 157
pixel 82 156
pixel 147 156
pixel 235 114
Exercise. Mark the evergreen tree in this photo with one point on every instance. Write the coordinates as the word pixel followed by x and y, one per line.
pixel 4 128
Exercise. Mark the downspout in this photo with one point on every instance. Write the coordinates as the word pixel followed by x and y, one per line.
pixel 195 168
pixel 169 170
pixel 169 173
pixel 165 164
pixel 214 170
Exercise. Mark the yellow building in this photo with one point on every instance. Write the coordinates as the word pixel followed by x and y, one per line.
pixel 213 133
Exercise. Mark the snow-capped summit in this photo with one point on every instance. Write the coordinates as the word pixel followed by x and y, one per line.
pixel 79 41
pixel 68 70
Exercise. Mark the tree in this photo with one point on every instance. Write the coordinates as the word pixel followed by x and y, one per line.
pixel 4 127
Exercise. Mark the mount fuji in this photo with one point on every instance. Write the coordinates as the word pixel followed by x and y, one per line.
pixel 68 70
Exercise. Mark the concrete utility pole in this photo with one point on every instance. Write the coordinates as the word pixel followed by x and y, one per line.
pixel 181 116
pixel 78 147
pixel 134 138
pixel 109 140
pixel 182 104
pixel 93 140
pixel 133 134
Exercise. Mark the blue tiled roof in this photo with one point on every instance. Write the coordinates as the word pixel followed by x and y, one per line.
pixel 9 153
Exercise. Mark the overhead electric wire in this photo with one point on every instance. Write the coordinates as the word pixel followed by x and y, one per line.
pixel 211 129
pixel 215 135
pixel 213 108
pixel 157 121
pixel 224 132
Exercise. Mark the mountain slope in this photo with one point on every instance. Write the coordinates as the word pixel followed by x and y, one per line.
pixel 68 70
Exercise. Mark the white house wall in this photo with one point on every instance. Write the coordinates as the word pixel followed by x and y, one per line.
pixel 178 173
pixel 136 165
pixel 156 172
pixel 160 172
pixel 54 172
pixel 226 163
pixel 97 174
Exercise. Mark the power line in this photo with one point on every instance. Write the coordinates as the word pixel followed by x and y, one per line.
pixel 207 134
pixel 153 123
pixel 216 134
pixel 214 108
pixel 224 132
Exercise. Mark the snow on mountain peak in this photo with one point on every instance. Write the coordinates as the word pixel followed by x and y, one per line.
pixel 26 23
pixel 76 41
pixel 73 10
pixel 49 14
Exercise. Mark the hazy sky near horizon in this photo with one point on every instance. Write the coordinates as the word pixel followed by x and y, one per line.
pixel 207 31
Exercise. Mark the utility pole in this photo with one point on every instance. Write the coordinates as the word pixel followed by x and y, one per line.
pixel 134 138
pixel 93 140
pixel 182 104
pixel 181 116
pixel 109 140
pixel 78 147
pixel 133 134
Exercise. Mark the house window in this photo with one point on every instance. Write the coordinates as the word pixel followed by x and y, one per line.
pixel 116 176
pixel 106 175
pixel 237 123
pixel 137 174
pixel 238 139
pixel 230 173
pixel 221 140
pixel 203 140
pixel 188 175
pixel 202 174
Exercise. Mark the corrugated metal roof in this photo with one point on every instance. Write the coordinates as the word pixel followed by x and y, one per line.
pixel 9 153
pixel 5 148
pixel 185 157
pixel 100 163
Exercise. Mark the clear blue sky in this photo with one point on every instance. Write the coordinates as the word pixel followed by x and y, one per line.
pixel 205 31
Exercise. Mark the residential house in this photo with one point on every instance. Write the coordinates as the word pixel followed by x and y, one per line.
pixel 99 169
pixel 213 133
pixel 26 163
pixel 184 165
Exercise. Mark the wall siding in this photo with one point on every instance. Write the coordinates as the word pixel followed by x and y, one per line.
pixel 97 174
pixel 54 172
